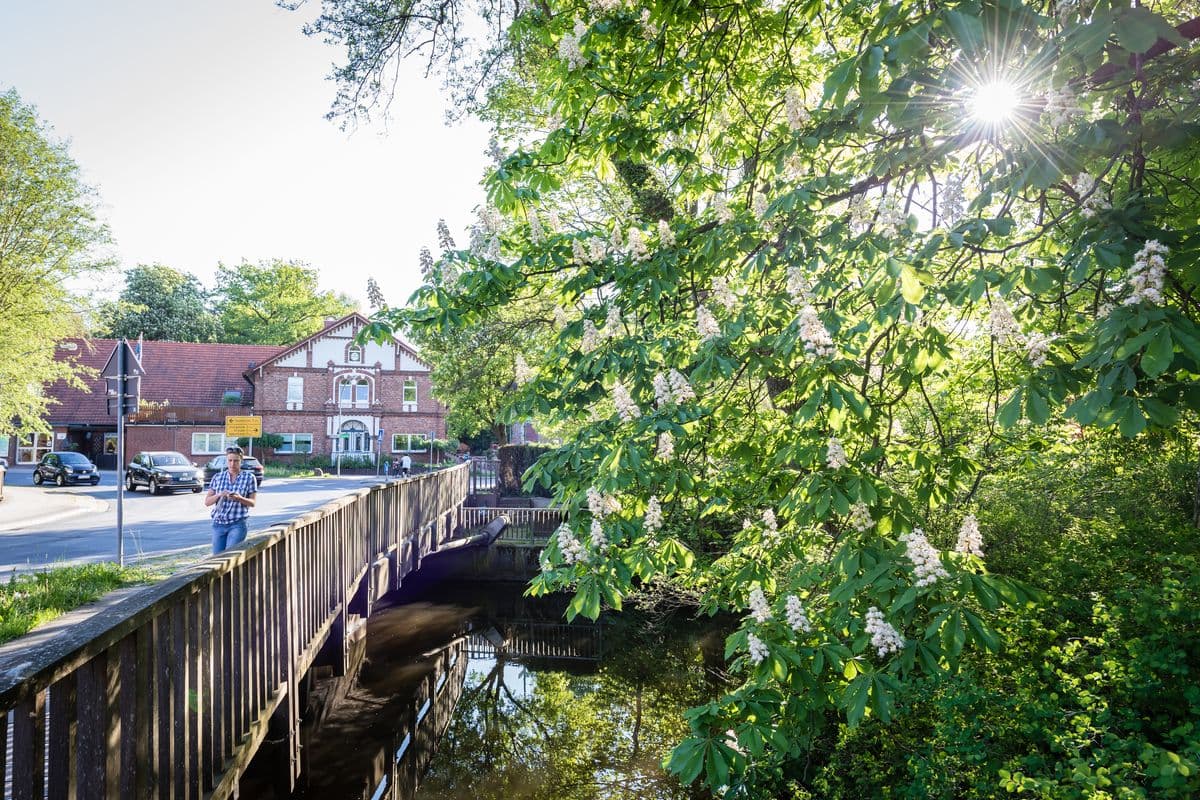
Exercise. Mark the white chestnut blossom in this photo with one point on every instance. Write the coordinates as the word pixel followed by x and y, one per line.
pixel 927 564
pixel 793 104
pixel 1037 347
pixel 970 541
pixel 722 210
pixel 653 521
pixel 798 286
pixel 537 233
pixel 1145 279
pixel 568 46
pixel 560 318
pixel 835 454
pixel 818 342
pixel 759 607
pixel 860 215
pixel 445 240
pixel 579 252
pixel 951 201
pixel 666 236
pixel 1061 107
pixel 598 540
pixel 758 205
pixel 568 545
pixel 884 638
pixel 758 650
pixel 666 446
pixel 860 517
pixel 770 524
pixel 1003 323
pixel 524 373
pixel 626 408
pixel 596 252
pixel 796 618
pixel 612 322
pixel 662 391
pixel 723 294
pixel 1091 198
pixel 890 215
pixel 649 29
pixel 591 337
pixel 706 324
pixel 681 390
pixel 637 245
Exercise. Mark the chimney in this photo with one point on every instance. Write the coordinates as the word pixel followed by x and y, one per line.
pixel 329 321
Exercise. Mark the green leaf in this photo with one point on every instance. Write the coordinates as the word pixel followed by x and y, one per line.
pixel 911 287
pixel 966 28
pixel 854 699
pixel 1159 353
pixel 1010 410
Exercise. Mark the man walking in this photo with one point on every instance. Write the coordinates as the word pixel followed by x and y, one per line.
pixel 405 465
pixel 231 494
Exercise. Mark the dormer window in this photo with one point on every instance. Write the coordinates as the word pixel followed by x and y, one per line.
pixel 354 354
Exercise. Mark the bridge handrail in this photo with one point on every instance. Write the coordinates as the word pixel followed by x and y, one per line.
pixel 217 647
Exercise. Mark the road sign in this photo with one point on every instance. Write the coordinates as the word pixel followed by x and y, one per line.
pixel 237 427
pixel 123 379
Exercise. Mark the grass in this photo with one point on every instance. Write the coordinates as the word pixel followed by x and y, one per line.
pixel 288 471
pixel 28 600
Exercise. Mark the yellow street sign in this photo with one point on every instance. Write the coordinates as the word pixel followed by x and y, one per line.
pixel 238 427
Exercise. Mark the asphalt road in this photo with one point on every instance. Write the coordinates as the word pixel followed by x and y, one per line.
pixel 162 526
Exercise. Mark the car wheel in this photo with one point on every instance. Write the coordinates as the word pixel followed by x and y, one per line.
pixel 153 486
pixel 59 480
pixel 37 478
pixel 130 486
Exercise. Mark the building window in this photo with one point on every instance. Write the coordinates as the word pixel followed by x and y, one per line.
pixel 409 397
pixel 354 390
pixel 409 442
pixel 32 446
pixel 208 443
pixel 295 395
pixel 354 354
pixel 295 443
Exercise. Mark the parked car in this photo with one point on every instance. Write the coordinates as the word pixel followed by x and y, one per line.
pixel 163 471
pixel 64 468
pixel 249 464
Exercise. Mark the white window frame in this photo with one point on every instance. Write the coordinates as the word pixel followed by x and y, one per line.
pixel 33 445
pixel 354 354
pixel 290 440
pixel 422 443
pixel 206 449
pixel 295 393
pixel 405 403
pixel 354 383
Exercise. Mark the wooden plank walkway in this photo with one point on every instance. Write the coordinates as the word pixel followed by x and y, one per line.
pixel 171 691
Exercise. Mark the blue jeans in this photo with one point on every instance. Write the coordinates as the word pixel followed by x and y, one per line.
pixel 228 534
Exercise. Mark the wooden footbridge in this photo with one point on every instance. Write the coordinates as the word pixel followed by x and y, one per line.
pixel 170 693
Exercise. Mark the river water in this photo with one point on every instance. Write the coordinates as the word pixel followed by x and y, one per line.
pixel 471 690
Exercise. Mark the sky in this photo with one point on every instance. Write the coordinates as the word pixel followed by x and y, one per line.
pixel 201 125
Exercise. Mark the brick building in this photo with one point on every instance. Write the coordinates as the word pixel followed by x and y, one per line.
pixel 322 395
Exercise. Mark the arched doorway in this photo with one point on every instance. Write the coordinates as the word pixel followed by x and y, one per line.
pixel 354 437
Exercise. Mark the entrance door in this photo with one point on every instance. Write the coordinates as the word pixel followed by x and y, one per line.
pixel 355 438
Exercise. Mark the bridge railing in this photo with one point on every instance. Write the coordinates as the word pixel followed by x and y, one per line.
pixel 170 692
pixel 485 475
pixel 532 526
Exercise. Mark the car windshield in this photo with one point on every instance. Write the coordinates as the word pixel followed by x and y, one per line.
pixel 168 460
pixel 74 458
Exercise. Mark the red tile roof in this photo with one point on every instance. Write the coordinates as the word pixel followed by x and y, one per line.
pixel 182 373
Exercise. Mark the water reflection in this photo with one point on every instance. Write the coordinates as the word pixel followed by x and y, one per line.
pixel 475 691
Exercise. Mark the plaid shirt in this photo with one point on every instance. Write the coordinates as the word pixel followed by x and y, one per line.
pixel 226 511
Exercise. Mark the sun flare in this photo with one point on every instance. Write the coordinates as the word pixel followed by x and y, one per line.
pixel 994 103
